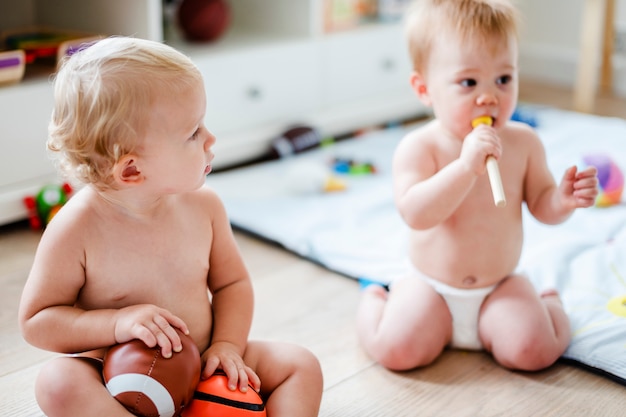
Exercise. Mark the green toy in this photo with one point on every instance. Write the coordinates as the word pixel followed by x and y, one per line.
pixel 46 203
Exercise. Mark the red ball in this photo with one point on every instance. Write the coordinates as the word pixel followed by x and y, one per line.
pixel 213 399
pixel 203 20
pixel 148 384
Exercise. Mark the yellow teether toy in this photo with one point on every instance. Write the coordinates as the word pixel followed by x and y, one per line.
pixel 492 168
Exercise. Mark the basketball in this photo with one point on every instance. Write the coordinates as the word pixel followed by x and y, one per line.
pixel 213 399
pixel 148 384
pixel 203 20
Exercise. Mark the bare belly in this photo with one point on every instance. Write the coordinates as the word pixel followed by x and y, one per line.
pixel 472 262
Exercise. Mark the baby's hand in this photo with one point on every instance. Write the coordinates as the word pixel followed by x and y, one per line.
pixel 579 188
pixel 478 145
pixel 223 355
pixel 152 325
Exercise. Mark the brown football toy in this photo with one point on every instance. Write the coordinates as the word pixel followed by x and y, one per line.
pixel 148 384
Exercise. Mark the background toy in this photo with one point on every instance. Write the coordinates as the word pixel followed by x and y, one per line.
pixel 294 140
pixel 305 177
pixel 213 399
pixel 203 20
pixel 70 47
pixel 46 203
pixel 610 179
pixel 352 167
pixel 38 44
pixel 12 66
pixel 492 168
pixel 525 115
pixel 148 384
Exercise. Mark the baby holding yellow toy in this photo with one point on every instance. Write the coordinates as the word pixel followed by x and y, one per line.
pixel 464 290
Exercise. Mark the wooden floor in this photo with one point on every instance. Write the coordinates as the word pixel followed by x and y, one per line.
pixel 300 302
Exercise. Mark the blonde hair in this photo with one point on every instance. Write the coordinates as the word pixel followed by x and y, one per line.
pixel 102 98
pixel 468 19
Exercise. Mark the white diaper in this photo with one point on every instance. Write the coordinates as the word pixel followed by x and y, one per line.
pixel 464 306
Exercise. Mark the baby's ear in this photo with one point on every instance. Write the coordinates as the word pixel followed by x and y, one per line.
pixel 126 171
pixel 418 83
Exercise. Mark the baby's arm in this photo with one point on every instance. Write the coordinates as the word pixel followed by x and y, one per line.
pixel 427 193
pixel 579 189
pixel 49 317
pixel 552 204
pixel 232 302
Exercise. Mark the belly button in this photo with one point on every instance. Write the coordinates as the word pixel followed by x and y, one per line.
pixel 469 280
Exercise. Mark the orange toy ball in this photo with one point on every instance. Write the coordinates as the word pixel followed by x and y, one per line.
pixel 203 20
pixel 148 384
pixel 213 399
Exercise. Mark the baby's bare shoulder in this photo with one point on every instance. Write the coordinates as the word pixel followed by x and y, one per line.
pixel 76 217
pixel 519 131
pixel 204 198
pixel 203 204
pixel 421 135
pixel 417 142
pixel 521 137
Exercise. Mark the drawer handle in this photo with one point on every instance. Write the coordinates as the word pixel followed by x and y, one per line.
pixel 254 93
pixel 388 64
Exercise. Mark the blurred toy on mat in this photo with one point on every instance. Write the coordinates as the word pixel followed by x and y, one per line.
pixel 610 179
pixel 46 203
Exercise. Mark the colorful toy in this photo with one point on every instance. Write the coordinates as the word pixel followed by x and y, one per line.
pixel 46 203
pixel 12 66
pixel 294 140
pixel 492 168
pixel 525 116
pixel 352 167
pixel 38 44
pixel 610 178
pixel 148 384
pixel 203 20
pixel 310 178
pixel 69 48
pixel 213 399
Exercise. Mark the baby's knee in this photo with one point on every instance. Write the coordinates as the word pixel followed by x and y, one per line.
pixel 61 380
pixel 404 356
pixel 304 362
pixel 54 385
pixel 529 355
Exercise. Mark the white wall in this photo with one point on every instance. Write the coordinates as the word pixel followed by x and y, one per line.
pixel 550 40
pixel 549 46
pixel 21 13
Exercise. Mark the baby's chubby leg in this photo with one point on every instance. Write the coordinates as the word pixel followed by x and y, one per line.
pixel 522 329
pixel 73 386
pixel 291 378
pixel 405 328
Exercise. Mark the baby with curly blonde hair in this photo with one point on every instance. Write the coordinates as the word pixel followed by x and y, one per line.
pixel 144 247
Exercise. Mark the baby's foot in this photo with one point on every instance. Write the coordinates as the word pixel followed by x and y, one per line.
pixel 551 295
pixel 375 290
pixel 366 282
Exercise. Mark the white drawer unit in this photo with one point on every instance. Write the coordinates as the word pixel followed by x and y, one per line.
pixel 24 163
pixel 367 62
pixel 274 67
pixel 270 84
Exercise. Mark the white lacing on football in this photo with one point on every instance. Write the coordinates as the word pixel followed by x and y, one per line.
pixel 150 387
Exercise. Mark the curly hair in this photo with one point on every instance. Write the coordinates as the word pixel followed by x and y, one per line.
pixel 102 97
pixel 469 19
